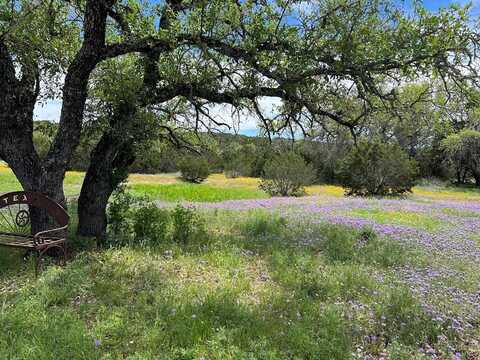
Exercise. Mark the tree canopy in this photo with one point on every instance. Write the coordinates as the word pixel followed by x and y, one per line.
pixel 329 61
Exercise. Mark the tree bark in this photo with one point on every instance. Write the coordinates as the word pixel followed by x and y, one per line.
pixel 108 168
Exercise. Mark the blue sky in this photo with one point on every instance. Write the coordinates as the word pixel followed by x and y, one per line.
pixel 51 109
pixel 436 4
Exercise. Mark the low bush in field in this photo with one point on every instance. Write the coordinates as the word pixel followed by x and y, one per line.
pixel 188 226
pixel 194 169
pixel 151 224
pixel 119 214
pixel 376 168
pixel 238 165
pixel 136 221
pixel 287 174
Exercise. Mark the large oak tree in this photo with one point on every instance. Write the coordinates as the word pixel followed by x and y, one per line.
pixel 307 53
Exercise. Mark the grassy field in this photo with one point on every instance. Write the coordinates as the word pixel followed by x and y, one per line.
pixel 170 187
pixel 317 277
pixel 166 187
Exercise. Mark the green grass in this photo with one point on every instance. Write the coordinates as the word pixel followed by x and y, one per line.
pixel 154 187
pixel 195 192
pixel 251 285
pixel 8 182
pixel 251 292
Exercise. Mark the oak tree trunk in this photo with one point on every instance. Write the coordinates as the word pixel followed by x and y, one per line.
pixel 109 165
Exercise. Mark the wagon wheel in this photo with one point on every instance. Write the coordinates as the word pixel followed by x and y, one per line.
pixel 15 219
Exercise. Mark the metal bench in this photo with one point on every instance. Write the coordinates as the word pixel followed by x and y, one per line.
pixel 16 229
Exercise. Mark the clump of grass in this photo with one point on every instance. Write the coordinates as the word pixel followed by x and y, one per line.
pixel 308 274
pixel 343 244
pixel 263 224
pixel 188 226
pixel 401 318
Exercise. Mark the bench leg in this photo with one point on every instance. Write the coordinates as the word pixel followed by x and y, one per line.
pixel 64 249
pixel 38 259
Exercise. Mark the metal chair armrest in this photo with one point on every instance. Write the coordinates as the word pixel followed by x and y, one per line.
pixel 41 234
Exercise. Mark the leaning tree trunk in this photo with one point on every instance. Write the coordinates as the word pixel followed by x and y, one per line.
pixel 109 165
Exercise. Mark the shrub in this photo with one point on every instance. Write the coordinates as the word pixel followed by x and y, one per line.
pixel 286 175
pixel 194 169
pixel 150 225
pixel 237 161
pixel 237 167
pixel 188 226
pixel 119 215
pixel 135 221
pixel 377 168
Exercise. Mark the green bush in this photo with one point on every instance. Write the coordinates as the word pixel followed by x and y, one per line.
pixel 135 221
pixel 237 161
pixel 188 226
pixel 194 169
pixel 119 215
pixel 376 168
pixel 286 175
pixel 150 225
pixel 42 143
pixel 237 167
